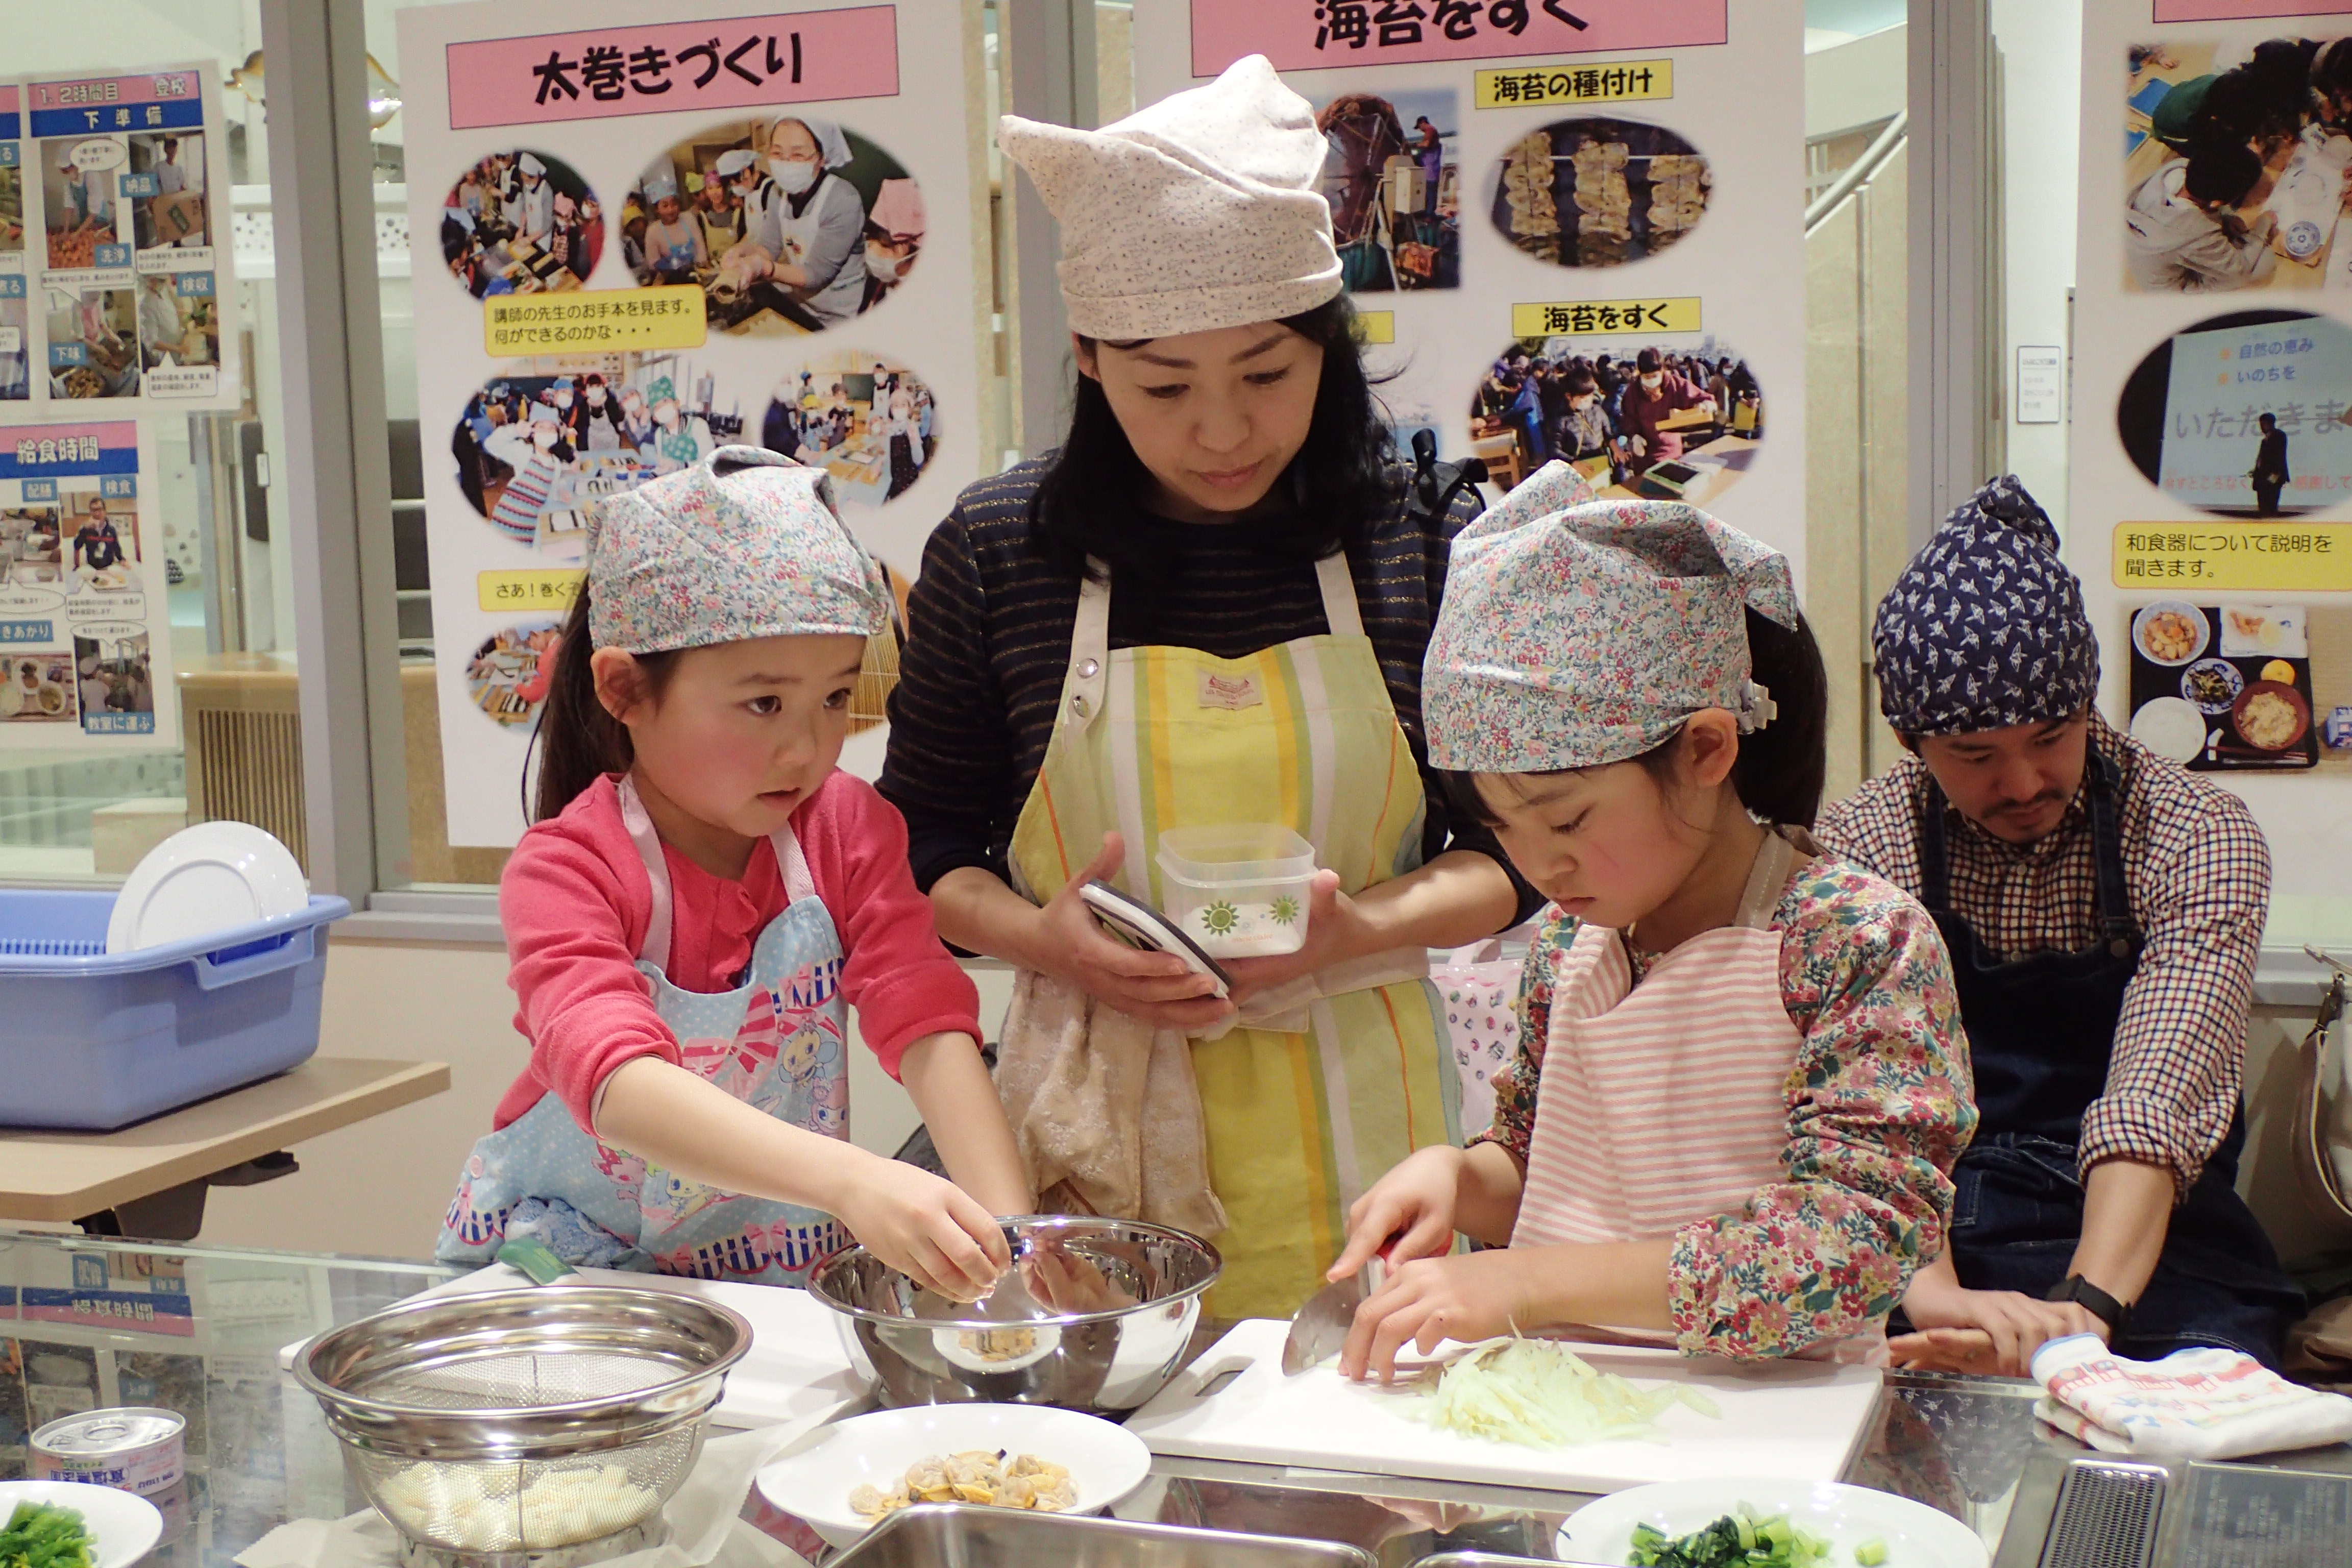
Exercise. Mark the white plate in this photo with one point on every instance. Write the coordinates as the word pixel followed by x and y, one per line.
pixel 1917 1536
pixel 123 1527
pixel 2171 727
pixel 202 879
pixel 2178 606
pixel 1105 1462
pixel 2264 631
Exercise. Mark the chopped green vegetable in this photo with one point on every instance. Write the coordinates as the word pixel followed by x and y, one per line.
pixel 43 1535
pixel 1739 1540
pixel 1871 1553
pixel 1544 1395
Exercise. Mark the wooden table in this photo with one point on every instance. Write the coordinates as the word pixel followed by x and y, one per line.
pixel 149 1179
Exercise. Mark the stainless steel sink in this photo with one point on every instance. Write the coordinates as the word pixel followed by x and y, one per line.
pixel 951 1537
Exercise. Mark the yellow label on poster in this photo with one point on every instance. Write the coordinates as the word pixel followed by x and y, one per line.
pixel 550 588
pixel 2259 557
pixel 1547 86
pixel 607 320
pixel 1376 326
pixel 1597 317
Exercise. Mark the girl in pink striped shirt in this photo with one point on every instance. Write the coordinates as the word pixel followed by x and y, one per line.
pixel 1752 1081
pixel 702 899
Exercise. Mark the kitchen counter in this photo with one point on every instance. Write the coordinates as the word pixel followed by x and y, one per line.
pixel 99 1322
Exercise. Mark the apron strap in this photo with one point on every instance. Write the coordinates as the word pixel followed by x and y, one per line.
pixel 1339 586
pixel 1090 677
pixel 1776 859
pixel 656 947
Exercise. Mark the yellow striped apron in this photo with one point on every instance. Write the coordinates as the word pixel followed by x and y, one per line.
pixel 1302 1118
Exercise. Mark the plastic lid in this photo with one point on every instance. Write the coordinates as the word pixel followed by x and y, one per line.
pixel 1235 852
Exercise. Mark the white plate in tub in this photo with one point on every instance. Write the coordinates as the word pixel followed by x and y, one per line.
pixel 123 1527
pixel 202 879
pixel 1914 1535
pixel 798 1365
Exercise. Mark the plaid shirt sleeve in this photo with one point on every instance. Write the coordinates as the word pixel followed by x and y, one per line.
pixel 2200 897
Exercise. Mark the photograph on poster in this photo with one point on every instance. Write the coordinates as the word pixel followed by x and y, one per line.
pixel 1600 192
pixel 169 212
pixel 2243 415
pixel 2224 688
pixel 509 675
pixel 1640 420
pixel 39 688
pixel 869 422
pixel 93 343
pixel 176 327
pixel 12 208
pixel 2234 164
pixel 100 544
pixel 15 362
pixel 31 546
pixel 521 222
pixel 542 439
pixel 1393 177
pixel 78 197
pixel 791 224
pixel 116 681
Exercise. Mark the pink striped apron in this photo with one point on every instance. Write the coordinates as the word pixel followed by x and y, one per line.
pixel 1667 1102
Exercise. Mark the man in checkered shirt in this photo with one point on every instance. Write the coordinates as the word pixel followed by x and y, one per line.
pixel 2104 908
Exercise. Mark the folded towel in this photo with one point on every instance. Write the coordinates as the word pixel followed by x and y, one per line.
pixel 2192 1404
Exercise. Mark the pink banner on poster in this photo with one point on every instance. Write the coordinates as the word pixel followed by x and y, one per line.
pixel 160 87
pixel 2247 10
pixel 1331 35
pixel 662 67
pixel 8 101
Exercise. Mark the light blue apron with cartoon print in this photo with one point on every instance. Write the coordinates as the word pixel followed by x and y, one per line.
pixel 779 1042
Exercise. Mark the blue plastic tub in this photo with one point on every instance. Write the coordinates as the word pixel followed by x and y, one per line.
pixel 94 1041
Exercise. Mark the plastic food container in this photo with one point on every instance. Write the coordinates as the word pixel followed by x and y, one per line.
pixel 1239 890
pixel 94 1041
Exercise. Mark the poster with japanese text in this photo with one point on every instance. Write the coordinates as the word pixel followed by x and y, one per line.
pixel 115 281
pixel 2211 473
pixel 85 630
pixel 1573 229
pixel 637 240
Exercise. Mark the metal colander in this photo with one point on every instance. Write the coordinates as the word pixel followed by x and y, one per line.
pixel 525 1421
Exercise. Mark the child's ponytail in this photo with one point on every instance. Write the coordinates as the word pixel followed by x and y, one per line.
pixel 578 741
pixel 1783 767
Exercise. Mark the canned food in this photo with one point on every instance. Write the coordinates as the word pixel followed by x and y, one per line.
pixel 133 1450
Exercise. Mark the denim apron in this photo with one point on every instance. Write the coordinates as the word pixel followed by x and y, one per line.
pixel 778 1041
pixel 2040 1029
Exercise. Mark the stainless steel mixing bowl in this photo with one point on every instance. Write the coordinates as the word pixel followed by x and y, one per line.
pixel 535 1421
pixel 1094 1315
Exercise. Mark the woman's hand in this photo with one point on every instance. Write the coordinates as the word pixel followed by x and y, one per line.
pixel 1992 1332
pixel 928 1228
pixel 1070 944
pixel 1408 1215
pixel 1475 1296
pixel 748 261
pixel 1337 931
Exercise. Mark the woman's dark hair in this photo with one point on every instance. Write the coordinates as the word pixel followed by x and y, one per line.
pixel 1581 381
pixel 1781 767
pixel 2223 172
pixel 1342 486
pixel 577 739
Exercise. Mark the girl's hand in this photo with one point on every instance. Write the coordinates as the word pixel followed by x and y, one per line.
pixel 1475 1296
pixel 1156 987
pixel 928 1228
pixel 1408 1215
pixel 1337 931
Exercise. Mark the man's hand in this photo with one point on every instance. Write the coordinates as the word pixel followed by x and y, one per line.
pixel 1994 1333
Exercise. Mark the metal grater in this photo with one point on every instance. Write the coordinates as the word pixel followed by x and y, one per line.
pixel 2106 1516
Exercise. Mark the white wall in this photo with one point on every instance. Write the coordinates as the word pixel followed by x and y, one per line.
pixel 379 1189
pixel 1856 84
pixel 2040 44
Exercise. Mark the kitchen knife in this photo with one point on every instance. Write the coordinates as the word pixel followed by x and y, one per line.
pixel 1320 1327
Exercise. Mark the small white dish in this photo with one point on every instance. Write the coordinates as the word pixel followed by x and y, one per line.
pixel 203 879
pixel 1106 1462
pixel 2171 727
pixel 123 1527
pixel 1915 1535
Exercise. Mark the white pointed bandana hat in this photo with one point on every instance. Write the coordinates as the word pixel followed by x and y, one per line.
pixel 1197 213
pixel 1577 632
pixel 746 544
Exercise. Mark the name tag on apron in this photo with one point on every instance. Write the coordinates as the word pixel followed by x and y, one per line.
pixel 1233 692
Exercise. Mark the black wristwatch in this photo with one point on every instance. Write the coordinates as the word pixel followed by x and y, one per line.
pixel 2106 1308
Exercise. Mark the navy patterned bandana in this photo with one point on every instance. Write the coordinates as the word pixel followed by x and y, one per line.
pixel 1985 628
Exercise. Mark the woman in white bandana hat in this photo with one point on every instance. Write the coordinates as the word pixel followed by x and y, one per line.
pixel 702 897
pixel 532 212
pixel 804 227
pixel 1208 607
pixel 1741 1086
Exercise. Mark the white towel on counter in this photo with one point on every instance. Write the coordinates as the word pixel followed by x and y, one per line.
pixel 2192 1404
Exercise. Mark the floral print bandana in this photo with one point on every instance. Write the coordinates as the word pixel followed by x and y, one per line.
pixel 745 544
pixel 1576 632
pixel 1985 630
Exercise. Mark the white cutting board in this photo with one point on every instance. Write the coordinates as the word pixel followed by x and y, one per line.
pixel 1801 1420
pixel 797 1366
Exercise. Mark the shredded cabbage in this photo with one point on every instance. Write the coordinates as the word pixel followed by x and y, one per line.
pixel 1544 1395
